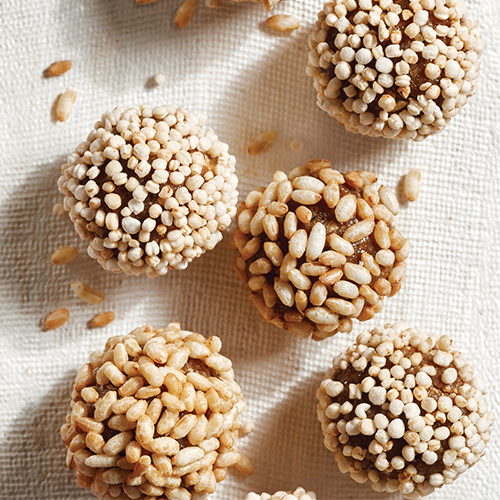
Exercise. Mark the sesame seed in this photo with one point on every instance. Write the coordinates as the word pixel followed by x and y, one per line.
pixel 343 70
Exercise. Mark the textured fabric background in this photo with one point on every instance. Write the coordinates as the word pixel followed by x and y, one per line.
pixel 228 65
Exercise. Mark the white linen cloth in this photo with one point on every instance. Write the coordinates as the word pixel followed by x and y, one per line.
pixel 246 79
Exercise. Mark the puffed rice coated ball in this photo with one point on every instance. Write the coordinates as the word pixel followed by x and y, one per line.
pixel 319 249
pixel 156 414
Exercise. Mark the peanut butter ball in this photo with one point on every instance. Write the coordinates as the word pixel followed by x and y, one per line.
pixel 394 68
pixel 319 248
pixel 151 188
pixel 156 414
pixel 403 411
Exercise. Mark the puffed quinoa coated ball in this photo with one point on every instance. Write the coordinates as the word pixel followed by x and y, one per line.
pixel 298 494
pixel 394 68
pixel 318 249
pixel 403 410
pixel 151 188
pixel 156 414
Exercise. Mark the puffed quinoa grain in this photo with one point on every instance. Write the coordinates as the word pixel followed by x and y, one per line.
pixel 160 79
pixel 130 445
pixel 396 416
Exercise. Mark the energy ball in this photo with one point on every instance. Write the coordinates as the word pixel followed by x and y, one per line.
pixel 298 494
pixel 151 188
pixel 318 248
pixel 403 410
pixel 156 414
pixel 394 68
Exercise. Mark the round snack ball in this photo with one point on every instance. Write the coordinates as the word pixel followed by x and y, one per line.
pixel 151 188
pixel 403 410
pixel 394 68
pixel 156 414
pixel 318 248
pixel 298 494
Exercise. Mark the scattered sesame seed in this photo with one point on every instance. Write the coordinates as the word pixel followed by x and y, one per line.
pixel 64 255
pixel 56 318
pixel 283 22
pixel 298 494
pixel 102 319
pixel 64 105
pixel 261 142
pixel 185 13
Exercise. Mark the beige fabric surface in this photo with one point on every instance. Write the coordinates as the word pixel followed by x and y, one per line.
pixel 246 79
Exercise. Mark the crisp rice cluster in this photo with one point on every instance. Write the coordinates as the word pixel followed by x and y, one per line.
pixel 151 188
pixel 155 415
pixel 402 410
pixel 394 68
pixel 318 248
pixel 298 494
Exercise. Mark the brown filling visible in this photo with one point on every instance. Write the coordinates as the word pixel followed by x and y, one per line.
pixel 199 366
pixel 438 389
pixel 417 71
pixel 324 214
pixel 102 390
pixel 126 196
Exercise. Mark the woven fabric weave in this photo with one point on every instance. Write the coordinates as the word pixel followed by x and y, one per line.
pixel 246 79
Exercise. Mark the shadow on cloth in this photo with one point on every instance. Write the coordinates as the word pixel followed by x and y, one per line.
pixel 287 450
pixel 144 36
pixel 206 297
pixel 275 93
pixel 33 232
pixel 33 452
